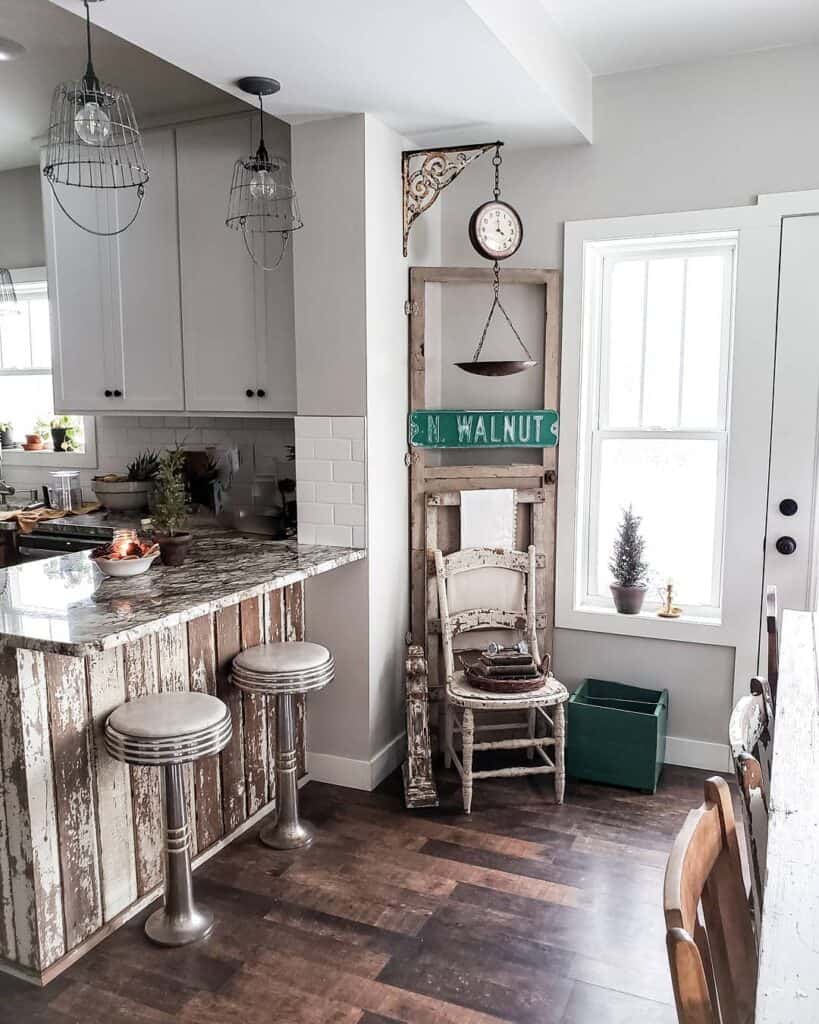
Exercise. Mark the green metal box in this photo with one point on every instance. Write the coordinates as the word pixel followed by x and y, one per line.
pixel 616 734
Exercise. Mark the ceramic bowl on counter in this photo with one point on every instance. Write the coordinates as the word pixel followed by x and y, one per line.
pixel 122 567
pixel 119 495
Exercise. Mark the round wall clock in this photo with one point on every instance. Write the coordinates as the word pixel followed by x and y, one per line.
pixel 495 230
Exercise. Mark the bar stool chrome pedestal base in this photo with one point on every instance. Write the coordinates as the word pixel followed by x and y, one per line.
pixel 169 730
pixel 282 670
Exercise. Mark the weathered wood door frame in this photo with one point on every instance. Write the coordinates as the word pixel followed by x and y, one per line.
pixel 532 479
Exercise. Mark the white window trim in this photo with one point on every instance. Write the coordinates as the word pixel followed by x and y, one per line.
pixel 599 261
pixel 50 459
pixel 758 230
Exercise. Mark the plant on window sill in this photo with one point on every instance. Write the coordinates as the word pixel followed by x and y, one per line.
pixel 627 565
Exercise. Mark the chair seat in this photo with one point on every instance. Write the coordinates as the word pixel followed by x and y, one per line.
pixel 288 658
pixel 167 715
pixel 460 693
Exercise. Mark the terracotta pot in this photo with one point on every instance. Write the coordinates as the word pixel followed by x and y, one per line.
pixel 174 550
pixel 628 600
pixel 34 443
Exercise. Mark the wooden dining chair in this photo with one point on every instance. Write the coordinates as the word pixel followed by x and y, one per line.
pixel 751 749
pixel 709 935
pixel 772 621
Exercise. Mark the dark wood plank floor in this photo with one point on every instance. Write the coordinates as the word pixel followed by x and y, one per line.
pixel 525 912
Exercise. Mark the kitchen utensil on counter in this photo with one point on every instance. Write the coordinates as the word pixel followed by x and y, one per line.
pixel 65 490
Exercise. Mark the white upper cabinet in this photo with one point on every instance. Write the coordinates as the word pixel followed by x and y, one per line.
pixel 238 320
pixel 116 322
pixel 171 315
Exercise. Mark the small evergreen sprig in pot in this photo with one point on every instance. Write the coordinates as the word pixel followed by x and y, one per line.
pixel 170 509
pixel 627 565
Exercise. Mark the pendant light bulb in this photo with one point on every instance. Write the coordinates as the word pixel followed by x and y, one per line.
pixel 92 124
pixel 262 185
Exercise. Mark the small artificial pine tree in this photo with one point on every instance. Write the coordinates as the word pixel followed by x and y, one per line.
pixel 626 562
pixel 169 513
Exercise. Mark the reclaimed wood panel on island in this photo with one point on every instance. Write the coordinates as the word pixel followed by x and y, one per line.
pixel 81 833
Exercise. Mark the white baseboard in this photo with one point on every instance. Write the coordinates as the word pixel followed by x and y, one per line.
pixel 713 757
pixel 354 774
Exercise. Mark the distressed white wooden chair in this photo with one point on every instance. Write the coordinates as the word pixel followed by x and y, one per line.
pixel 513 580
pixel 750 739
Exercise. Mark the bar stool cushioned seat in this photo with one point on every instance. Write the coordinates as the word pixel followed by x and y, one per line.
pixel 170 730
pixel 284 670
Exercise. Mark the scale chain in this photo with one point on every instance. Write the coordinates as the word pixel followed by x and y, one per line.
pixel 497 304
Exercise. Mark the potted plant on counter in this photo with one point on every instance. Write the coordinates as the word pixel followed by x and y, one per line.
pixel 170 511
pixel 627 565
pixel 131 491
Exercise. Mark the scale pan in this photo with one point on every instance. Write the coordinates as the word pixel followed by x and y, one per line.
pixel 496 367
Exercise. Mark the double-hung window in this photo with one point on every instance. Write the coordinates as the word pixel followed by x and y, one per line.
pixel 657 330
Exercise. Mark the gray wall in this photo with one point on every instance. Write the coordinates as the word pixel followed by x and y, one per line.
pixel 22 242
pixel 667 139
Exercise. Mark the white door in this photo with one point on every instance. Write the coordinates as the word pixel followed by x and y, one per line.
pixel 791 549
pixel 218 296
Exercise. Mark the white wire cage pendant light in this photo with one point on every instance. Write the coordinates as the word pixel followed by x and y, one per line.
pixel 8 295
pixel 93 139
pixel 262 199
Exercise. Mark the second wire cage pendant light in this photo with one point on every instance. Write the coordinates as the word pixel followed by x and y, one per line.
pixel 262 199
pixel 93 139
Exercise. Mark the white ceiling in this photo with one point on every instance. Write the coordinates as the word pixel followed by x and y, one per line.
pixel 55 45
pixel 621 35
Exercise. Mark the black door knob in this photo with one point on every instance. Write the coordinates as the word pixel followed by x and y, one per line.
pixel 260 393
pixel 785 545
pixel 249 392
pixel 117 393
pixel 108 392
pixel 788 507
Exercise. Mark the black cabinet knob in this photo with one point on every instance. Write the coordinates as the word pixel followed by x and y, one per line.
pixel 108 392
pixel 260 393
pixel 785 545
pixel 788 507
pixel 117 393
pixel 249 392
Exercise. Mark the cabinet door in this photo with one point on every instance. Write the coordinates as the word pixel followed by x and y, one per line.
pixel 275 330
pixel 218 302
pixel 81 299
pixel 146 262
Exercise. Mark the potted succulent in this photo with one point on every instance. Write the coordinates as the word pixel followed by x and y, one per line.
pixel 62 434
pixel 627 566
pixel 170 511
pixel 6 435
pixel 130 491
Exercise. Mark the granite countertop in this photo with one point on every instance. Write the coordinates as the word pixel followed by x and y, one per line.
pixel 65 605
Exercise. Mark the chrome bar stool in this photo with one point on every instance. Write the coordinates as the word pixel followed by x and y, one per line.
pixel 283 670
pixel 170 730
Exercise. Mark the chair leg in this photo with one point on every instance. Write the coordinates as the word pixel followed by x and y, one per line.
pixel 532 716
pixel 288 832
pixel 468 738
pixel 179 921
pixel 559 719
pixel 449 733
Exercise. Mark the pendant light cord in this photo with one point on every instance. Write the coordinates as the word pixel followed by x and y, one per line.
pixel 91 231
pixel 285 240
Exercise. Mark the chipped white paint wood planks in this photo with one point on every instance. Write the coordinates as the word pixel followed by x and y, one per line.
pixel 80 833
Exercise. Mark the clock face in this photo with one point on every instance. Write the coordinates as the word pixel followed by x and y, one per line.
pixel 496 230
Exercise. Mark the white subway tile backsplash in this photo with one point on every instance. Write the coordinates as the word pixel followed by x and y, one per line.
pixel 359 494
pixel 313 426
pixel 349 472
pixel 358 451
pixel 313 512
pixel 348 515
pixel 341 536
pixel 305 491
pixel 312 469
pixel 348 426
pixel 335 448
pixel 334 493
pixel 359 536
pixel 307 533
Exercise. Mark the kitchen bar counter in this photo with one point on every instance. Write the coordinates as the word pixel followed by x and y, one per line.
pixel 80 833
pixel 66 606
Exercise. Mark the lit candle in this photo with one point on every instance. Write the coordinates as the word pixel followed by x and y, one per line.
pixel 121 544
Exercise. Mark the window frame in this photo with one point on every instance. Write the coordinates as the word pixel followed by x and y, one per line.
pixel 600 260
pixel 49 459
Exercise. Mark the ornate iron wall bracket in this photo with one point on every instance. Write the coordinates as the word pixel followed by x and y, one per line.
pixel 427 172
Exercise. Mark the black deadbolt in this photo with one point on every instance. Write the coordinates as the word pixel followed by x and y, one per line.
pixel 785 545
pixel 788 507
pixel 249 392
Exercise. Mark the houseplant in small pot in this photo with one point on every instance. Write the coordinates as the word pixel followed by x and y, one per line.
pixel 627 565
pixel 131 491
pixel 62 434
pixel 170 511
pixel 6 435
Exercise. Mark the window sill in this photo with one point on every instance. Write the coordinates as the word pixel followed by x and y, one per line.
pixel 49 459
pixel 685 629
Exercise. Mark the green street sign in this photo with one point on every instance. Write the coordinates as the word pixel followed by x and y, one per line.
pixel 483 428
